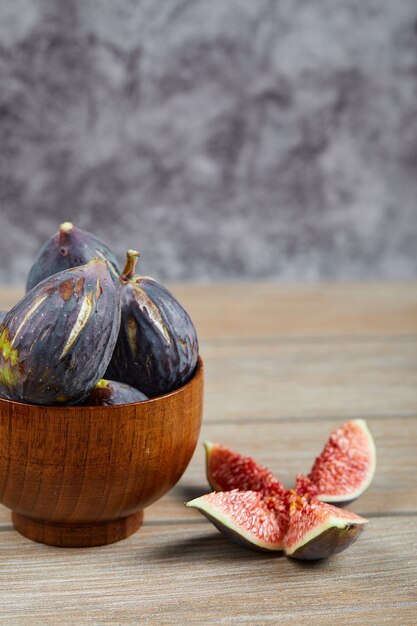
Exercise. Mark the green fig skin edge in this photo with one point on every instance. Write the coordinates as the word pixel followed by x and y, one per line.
pixel 110 392
pixel 330 542
pixel 56 343
pixel 69 247
pixel 157 347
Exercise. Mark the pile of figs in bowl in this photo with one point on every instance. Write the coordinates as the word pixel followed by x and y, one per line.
pixel 101 394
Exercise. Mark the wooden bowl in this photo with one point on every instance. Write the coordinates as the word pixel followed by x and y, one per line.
pixel 81 476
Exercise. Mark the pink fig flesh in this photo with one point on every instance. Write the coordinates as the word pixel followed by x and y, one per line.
pixel 246 517
pixel 345 468
pixel 227 470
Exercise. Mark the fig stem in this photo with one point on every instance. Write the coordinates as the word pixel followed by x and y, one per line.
pixel 66 227
pixel 63 237
pixel 129 269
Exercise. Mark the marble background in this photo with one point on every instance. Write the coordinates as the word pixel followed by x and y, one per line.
pixel 224 139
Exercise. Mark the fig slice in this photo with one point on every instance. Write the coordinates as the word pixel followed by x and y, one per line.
pixel 301 526
pixel 345 467
pixel 317 530
pixel 110 392
pixel 227 470
pixel 246 517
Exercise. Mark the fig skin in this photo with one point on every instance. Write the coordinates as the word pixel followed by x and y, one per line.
pixel 69 247
pixel 2 315
pixel 317 530
pixel 157 346
pixel 110 392
pixel 56 343
pixel 330 542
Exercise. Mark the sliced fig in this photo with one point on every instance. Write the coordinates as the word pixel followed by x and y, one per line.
pixel 304 528
pixel 69 247
pixel 317 530
pixel 246 517
pixel 157 347
pixel 56 343
pixel 345 468
pixel 110 392
pixel 227 470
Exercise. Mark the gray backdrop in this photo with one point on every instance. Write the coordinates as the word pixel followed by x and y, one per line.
pixel 223 138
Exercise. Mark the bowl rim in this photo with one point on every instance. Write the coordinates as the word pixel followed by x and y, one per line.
pixel 76 407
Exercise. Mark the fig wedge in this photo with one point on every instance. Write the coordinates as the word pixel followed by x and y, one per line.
pixel 345 468
pixel 227 470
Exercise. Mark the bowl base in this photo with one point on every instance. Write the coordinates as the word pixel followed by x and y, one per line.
pixel 77 535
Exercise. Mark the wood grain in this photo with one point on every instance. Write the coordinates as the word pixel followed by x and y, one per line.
pixel 225 312
pixel 284 365
pixel 290 447
pixel 335 379
pixel 229 311
pixel 79 476
pixel 190 573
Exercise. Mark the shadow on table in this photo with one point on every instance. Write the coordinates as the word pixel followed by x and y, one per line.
pixel 189 492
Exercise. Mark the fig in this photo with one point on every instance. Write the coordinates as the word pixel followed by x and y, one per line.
pixel 302 527
pixel 56 343
pixel 339 475
pixel 227 470
pixel 2 315
pixel 157 347
pixel 345 468
pixel 109 392
pixel 317 530
pixel 246 517
pixel 69 247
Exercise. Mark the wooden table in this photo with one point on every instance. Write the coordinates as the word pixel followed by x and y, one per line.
pixel 284 366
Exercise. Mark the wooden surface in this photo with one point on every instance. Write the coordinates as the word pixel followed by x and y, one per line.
pixel 284 365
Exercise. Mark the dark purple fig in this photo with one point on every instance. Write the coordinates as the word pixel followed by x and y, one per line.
pixel 2 315
pixel 70 247
pixel 56 343
pixel 157 347
pixel 109 392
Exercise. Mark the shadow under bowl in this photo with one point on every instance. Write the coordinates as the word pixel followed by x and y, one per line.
pixel 77 476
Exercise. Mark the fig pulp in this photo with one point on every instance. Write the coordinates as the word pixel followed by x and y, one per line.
pixel 302 527
pixel 245 517
pixel 317 530
pixel 227 470
pixel 56 343
pixel 110 392
pixel 339 475
pixel 69 247
pixel 345 468
pixel 157 347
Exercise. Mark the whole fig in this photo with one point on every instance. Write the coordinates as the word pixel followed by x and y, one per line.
pixel 157 347
pixel 69 247
pixel 110 392
pixel 56 343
